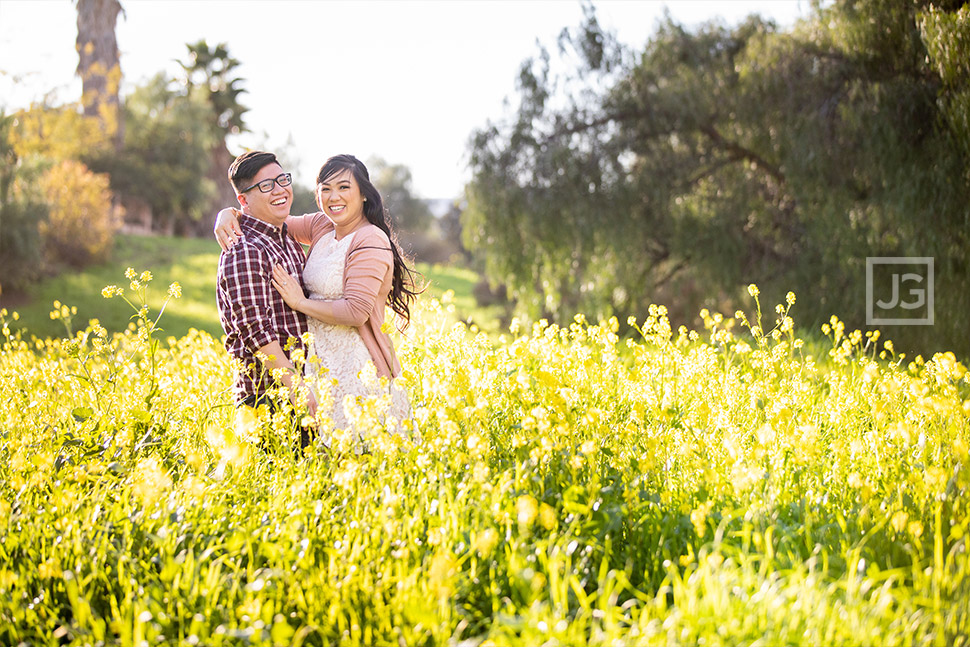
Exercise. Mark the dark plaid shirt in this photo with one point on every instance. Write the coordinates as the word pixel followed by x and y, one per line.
pixel 253 313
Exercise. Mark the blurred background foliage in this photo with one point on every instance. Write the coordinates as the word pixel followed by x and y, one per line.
pixel 729 155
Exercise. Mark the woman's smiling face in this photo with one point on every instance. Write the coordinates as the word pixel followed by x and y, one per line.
pixel 339 197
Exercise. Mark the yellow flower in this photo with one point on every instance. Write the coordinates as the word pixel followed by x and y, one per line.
pixel 440 574
pixel 175 290
pixel 899 520
pixel 547 517
pixel 485 542
pixel 790 298
pixel 915 529
pixel 49 569
pixel 151 480
pixel 753 290
pixel 130 273
pixel 526 510
pixel 145 277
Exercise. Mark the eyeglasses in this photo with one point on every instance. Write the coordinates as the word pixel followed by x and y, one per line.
pixel 266 186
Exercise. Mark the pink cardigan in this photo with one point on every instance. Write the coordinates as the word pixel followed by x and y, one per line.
pixel 368 271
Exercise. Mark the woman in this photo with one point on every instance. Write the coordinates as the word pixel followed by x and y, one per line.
pixel 352 271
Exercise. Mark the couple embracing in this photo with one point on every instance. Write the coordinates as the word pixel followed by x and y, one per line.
pixel 270 293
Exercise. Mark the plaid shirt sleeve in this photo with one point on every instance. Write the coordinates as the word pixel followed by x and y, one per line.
pixel 245 289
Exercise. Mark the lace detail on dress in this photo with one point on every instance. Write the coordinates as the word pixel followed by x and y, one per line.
pixel 340 352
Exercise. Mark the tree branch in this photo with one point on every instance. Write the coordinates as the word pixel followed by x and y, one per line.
pixel 743 153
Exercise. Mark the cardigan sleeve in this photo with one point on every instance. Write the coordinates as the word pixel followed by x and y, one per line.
pixel 368 263
pixel 308 228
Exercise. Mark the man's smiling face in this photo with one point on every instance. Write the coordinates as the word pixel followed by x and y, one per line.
pixel 272 207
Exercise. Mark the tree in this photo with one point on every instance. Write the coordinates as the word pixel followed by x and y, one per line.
pixel 174 161
pixel 99 64
pixel 166 157
pixel 409 213
pixel 450 227
pixel 54 210
pixel 213 69
pixel 211 72
pixel 720 157
pixel 946 35
pixel 46 132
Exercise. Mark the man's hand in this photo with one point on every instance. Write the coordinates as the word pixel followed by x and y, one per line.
pixel 227 230
pixel 282 368
pixel 296 386
pixel 311 404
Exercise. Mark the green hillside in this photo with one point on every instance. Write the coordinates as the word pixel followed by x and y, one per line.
pixel 191 262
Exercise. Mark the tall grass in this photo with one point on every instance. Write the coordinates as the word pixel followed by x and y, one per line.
pixel 561 486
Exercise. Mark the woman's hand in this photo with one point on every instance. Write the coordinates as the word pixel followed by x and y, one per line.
pixel 289 288
pixel 226 230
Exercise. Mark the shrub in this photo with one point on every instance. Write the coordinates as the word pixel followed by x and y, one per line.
pixel 82 220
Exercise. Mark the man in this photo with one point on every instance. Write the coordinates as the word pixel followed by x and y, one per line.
pixel 261 331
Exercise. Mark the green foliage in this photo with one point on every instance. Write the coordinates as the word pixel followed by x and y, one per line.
pixel 54 210
pixel 20 217
pixel 211 69
pixel 209 72
pixel 81 221
pixel 168 138
pixel 21 251
pixel 947 39
pixel 718 487
pixel 409 213
pixel 724 156
pixel 174 157
pixel 304 199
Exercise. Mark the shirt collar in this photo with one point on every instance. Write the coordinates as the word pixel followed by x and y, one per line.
pixel 259 226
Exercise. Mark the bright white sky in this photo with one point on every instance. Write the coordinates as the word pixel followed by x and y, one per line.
pixel 408 81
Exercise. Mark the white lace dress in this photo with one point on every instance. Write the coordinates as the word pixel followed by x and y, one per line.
pixel 341 357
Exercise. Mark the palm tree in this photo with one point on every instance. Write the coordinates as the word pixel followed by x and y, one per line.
pixel 212 70
pixel 99 64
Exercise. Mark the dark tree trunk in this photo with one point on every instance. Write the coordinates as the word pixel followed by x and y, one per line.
pixel 99 64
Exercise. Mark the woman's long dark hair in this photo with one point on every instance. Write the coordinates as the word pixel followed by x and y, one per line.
pixel 403 288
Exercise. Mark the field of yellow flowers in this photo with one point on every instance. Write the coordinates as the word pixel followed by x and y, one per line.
pixel 561 486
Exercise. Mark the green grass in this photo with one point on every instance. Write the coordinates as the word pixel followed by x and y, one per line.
pixel 192 262
pixel 461 283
